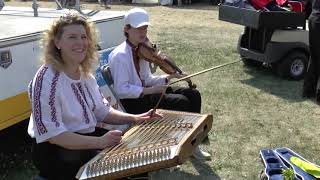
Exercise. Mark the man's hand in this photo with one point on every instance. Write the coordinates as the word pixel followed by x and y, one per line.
pixel 147 116
pixel 177 76
pixel 154 89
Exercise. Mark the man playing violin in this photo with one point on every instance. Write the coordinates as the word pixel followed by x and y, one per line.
pixel 139 90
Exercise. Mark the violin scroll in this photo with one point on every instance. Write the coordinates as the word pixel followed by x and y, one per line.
pixel 149 52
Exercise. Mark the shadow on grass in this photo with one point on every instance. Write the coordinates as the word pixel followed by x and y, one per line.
pixel 197 6
pixel 265 79
pixel 204 172
pixel 204 169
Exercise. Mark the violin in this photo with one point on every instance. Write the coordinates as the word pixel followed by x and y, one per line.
pixel 149 52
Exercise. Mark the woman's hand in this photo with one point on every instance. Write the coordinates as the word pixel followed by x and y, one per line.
pixel 147 116
pixel 110 138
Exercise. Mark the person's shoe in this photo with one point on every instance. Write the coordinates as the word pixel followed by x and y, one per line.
pixel 199 154
pixel 206 140
pixel 174 168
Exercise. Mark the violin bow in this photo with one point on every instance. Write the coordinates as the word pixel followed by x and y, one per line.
pixel 187 77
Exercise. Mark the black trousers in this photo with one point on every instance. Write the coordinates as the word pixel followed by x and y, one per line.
pixel 313 71
pixel 176 98
pixel 57 163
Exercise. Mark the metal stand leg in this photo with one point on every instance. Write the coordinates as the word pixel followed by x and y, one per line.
pixel 59 6
pixel 35 8
pixel 1 4
pixel 77 6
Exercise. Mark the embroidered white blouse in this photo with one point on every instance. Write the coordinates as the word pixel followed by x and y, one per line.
pixel 127 83
pixel 61 104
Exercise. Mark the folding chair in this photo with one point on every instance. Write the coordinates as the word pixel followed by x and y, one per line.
pixel 105 82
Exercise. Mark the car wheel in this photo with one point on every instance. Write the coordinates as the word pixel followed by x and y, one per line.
pixel 293 66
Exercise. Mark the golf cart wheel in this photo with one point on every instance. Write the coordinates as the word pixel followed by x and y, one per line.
pixel 251 62
pixel 293 66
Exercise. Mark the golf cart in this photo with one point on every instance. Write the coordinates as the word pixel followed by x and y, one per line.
pixel 275 38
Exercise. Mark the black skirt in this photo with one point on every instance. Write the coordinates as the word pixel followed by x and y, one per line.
pixel 57 163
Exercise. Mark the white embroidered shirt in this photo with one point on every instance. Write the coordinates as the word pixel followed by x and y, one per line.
pixel 61 104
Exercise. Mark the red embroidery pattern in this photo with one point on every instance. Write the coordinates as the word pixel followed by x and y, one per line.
pixel 82 92
pixel 76 93
pixel 115 106
pixel 36 102
pixel 109 99
pixel 52 99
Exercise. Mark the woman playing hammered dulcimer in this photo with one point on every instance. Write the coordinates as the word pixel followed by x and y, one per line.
pixel 66 102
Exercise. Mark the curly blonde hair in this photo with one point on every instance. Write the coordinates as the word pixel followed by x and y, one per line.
pixel 52 54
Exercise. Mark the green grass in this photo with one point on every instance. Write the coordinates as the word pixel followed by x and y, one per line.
pixel 24 170
pixel 252 108
pixel 288 174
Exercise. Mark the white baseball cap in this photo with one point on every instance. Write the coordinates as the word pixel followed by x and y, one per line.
pixel 136 17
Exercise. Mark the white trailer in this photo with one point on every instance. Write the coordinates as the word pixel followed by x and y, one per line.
pixel 20 51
